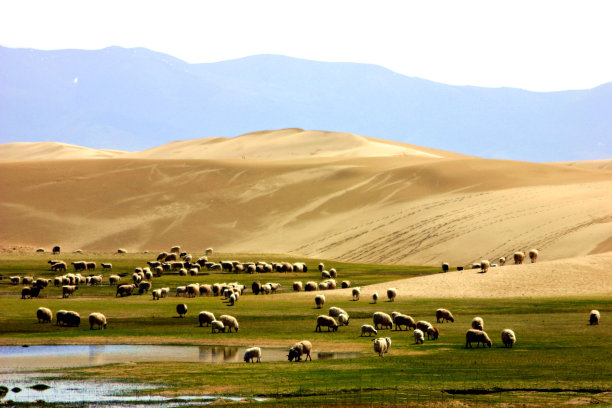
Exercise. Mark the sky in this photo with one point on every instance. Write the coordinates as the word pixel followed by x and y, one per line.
pixel 534 45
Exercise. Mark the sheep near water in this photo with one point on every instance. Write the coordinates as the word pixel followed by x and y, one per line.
pixel 44 315
pixel 69 318
pixel 508 338
pixel 594 317
pixel 478 323
pixel 97 319
pixel 477 336
pixel 369 329
pixel 206 317
pixel 319 301
pixel 326 321
pixel 181 309
pixel 533 255
pixel 230 322
pixel 383 320
pixel 382 345
pixel 299 349
pixel 443 314
pixel 217 326
pixel 253 353
pixel 125 290
pixel 419 336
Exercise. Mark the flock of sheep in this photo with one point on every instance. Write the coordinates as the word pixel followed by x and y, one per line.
pixel 143 276
pixel 484 265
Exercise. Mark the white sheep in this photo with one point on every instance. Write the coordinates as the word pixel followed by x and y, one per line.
pixel 252 353
pixel 476 336
pixel 382 345
pixel 114 279
pixel 594 317
pixel 423 325
pixel 533 255
pixel 403 320
pixel 343 319
pixel 297 286
pixel 356 293
pixel 366 328
pixel 508 338
pixel 156 294
pixel 443 314
pixel 217 326
pixel 336 311
pixel 391 294
pixel 382 319
pixel 345 284
pixel 44 315
pixel 230 322
pixel 502 261
pixel 419 336
pixel 375 297
pixel 321 267
pixel 485 265
pixel 300 348
pixel 319 301
pixel 325 275
pixel 97 319
pixel 478 323
pixel 206 317
pixel 326 321
pixel 333 273
pixel 519 256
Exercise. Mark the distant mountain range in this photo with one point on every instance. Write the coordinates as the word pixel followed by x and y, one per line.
pixel 134 99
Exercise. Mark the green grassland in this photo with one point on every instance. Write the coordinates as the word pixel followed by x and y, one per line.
pixel 557 359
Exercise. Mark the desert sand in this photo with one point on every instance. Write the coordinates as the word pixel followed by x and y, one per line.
pixel 311 193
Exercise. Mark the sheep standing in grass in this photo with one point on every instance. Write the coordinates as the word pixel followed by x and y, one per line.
pixel 206 317
pixel 299 349
pixel 256 287
pixel 508 338
pixel 181 309
pixel 333 273
pixel 253 353
pixel 478 323
pixel 391 294
pixel 208 251
pixel 382 345
pixel 502 261
pixel 217 326
pixel 345 284
pixel 60 315
pixel 423 325
pixel 336 311
pixel 72 318
pixel 343 319
pixel 519 256
pixel 107 266
pixel 97 319
pixel 533 255
pixel 403 320
pixel 419 336
pixel 356 293
pixel 321 267
pixel 326 321
pixel 375 297
pixel 114 279
pixel 433 333
pixel 310 286
pixel 369 329
pixel 230 322
pixel 594 317
pixel 383 320
pixel 44 315
pixel 443 314
pixel 325 275
pixel 68 290
pixel 297 286
pixel 485 265
pixel 476 336
pixel 156 294
pixel 445 267
pixel 319 301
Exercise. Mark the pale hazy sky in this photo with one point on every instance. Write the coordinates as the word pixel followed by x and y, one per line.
pixel 535 45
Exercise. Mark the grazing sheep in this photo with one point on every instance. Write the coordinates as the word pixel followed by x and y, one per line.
pixel 156 294
pixel 122 251
pixel 382 319
pixel 325 275
pixel 594 317
pixel 56 250
pixel 230 322
pixel 508 338
pixel 266 289
pixel 310 286
pixel 15 280
pixel 533 255
pixel 445 267
pixel 343 319
pixel 227 266
pixel 170 258
pixel 192 290
pixel 356 293
pixel 419 336
pixel 27 280
pixel 162 256
pixel 136 277
pixel 433 333
pixel 114 279
pixel 144 287
pixel 181 290
pixel 256 287
pixel 274 286
pixel 217 326
pixel 80 265
pixel 176 249
pixel 251 354
pixel 297 286
pixel 71 318
pixel 181 309
pixel 326 321
pixel 205 290
pixel 366 328
pixel 375 297
pixel 391 294
pixel 476 336
pixel 502 261
pixel 485 265
pixel 69 290
pixel 164 292
pixel 40 250
pixel 423 325
pixel 333 273
pixel 91 266
pixel 403 320
pixel 59 320
pixel 95 280
pixel 206 317
pixel 382 345
pixel 321 267
pixel 30 292
pixel 478 323
pixel 336 311
pixel 44 315
pixel 319 300
pixel 125 289
pixel 97 319
pixel 182 272
pixel 233 299
pixel 519 256
pixel 443 314
pixel 345 284
pixel 208 251
pixel 300 348
pixel 59 266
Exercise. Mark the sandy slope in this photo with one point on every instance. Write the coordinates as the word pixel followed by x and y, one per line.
pixel 52 151
pixel 421 206
pixel 589 164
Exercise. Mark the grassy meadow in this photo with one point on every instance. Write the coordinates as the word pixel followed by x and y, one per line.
pixel 557 359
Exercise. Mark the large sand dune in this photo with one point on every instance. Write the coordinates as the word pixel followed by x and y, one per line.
pixel 324 194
